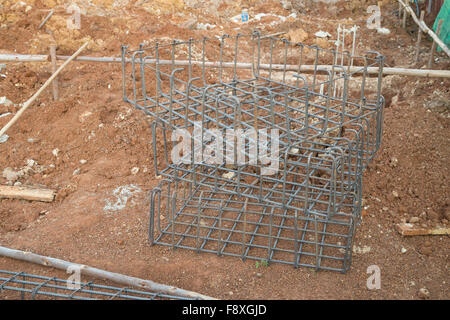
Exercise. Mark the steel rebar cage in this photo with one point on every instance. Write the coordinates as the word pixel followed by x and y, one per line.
pixel 328 126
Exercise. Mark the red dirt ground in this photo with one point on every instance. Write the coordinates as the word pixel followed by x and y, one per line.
pixel 91 122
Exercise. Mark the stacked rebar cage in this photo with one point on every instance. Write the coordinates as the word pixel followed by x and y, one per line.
pixel 299 113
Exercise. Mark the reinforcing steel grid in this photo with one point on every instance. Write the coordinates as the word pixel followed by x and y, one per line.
pixel 22 285
pixel 303 114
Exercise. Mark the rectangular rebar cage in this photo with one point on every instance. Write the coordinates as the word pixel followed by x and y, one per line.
pixel 328 127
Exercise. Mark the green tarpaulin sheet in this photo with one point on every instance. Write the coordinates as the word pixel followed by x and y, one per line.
pixel 444 15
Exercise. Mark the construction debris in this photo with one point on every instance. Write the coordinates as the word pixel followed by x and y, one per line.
pixel 322 34
pixel 11 175
pixel 383 30
pixel 4 138
pixel 6 102
pixel 2 66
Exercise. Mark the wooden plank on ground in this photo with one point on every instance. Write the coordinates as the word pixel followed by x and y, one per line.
pixel 408 229
pixel 27 193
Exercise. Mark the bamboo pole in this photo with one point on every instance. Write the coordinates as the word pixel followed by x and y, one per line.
pixel 55 86
pixel 22 58
pixel 425 28
pixel 93 59
pixel 419 37
pixel 404 19
pixel 433 47
pixel 31 100
pixel 99 273
pixel 275 67
pixel 46 19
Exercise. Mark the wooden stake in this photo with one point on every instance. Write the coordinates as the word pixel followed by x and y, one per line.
pixel 31 100
pixel 433 47
pixel 273 35
pixel 429 6
pixel 408 229
pixel 55 82
pixel 27 193
pixel 98 273
pixel 419 37
pixel 404 19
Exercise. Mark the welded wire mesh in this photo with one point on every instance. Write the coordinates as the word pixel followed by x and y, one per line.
pixel 328 127
pixel 219 222
pixel 25 286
